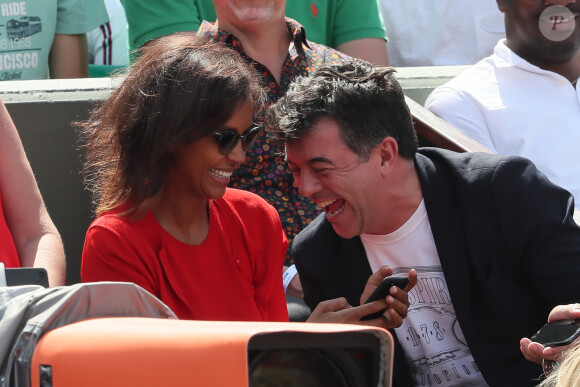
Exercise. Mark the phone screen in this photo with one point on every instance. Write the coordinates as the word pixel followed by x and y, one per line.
pixel 558 333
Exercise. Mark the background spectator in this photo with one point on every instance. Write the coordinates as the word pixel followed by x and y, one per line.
pixel 353 27
pixel 524 99
pixel 440 32
pixel 39 39
pixel 277 49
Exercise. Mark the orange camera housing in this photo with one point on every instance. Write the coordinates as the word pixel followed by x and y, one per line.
pixel 138 351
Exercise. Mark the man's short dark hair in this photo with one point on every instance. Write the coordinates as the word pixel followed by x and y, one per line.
pixel 367 103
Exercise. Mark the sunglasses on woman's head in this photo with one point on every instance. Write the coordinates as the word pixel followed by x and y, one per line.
pixel 228 139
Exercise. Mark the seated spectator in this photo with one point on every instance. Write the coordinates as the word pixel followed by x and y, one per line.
pixel 353 27
pixel 28 237
pixel 441 32
pixel 524 99
pixel 160 153
pixel 493 241
pixel 43 39
pixel 109 43
pixel 275 46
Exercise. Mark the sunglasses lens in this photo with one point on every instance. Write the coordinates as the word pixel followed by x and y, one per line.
pixel 227 142
pixel 249 137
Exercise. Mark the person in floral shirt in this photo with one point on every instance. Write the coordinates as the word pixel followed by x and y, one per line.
pixel 277 47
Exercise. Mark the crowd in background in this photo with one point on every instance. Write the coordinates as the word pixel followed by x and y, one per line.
pixel 465 32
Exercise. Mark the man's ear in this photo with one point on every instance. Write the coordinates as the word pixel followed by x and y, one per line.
pixel 388 151
pixel 501 5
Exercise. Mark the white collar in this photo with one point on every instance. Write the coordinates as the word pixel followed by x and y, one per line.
pixel 504 57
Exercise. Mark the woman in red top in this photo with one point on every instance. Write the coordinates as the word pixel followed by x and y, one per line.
pixel 160 153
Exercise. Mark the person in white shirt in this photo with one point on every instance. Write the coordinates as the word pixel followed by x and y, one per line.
pixel 440 32
pixel 524 99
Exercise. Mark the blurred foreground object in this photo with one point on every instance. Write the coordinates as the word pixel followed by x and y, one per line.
pixel 155 352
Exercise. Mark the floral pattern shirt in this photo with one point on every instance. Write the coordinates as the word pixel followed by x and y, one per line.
pixel 265 172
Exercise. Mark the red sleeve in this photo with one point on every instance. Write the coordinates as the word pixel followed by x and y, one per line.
pixel 108 255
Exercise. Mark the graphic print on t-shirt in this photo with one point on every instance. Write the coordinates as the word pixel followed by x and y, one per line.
pixel 431 336
pixel 23 27
pixel 25 39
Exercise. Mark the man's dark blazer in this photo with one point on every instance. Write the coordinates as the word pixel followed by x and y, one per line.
pixel 509 249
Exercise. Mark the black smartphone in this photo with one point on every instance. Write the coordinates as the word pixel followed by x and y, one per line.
pixel 557 333
pixel 382 291
pixel 26 276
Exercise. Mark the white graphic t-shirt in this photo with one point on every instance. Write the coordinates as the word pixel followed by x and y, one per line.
pixel 27 30
pixel 430 335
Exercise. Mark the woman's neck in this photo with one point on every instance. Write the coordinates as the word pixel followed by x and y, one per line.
pixel 185 219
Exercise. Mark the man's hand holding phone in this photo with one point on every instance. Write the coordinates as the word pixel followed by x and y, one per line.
pixel 396 302
pixel 392 292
